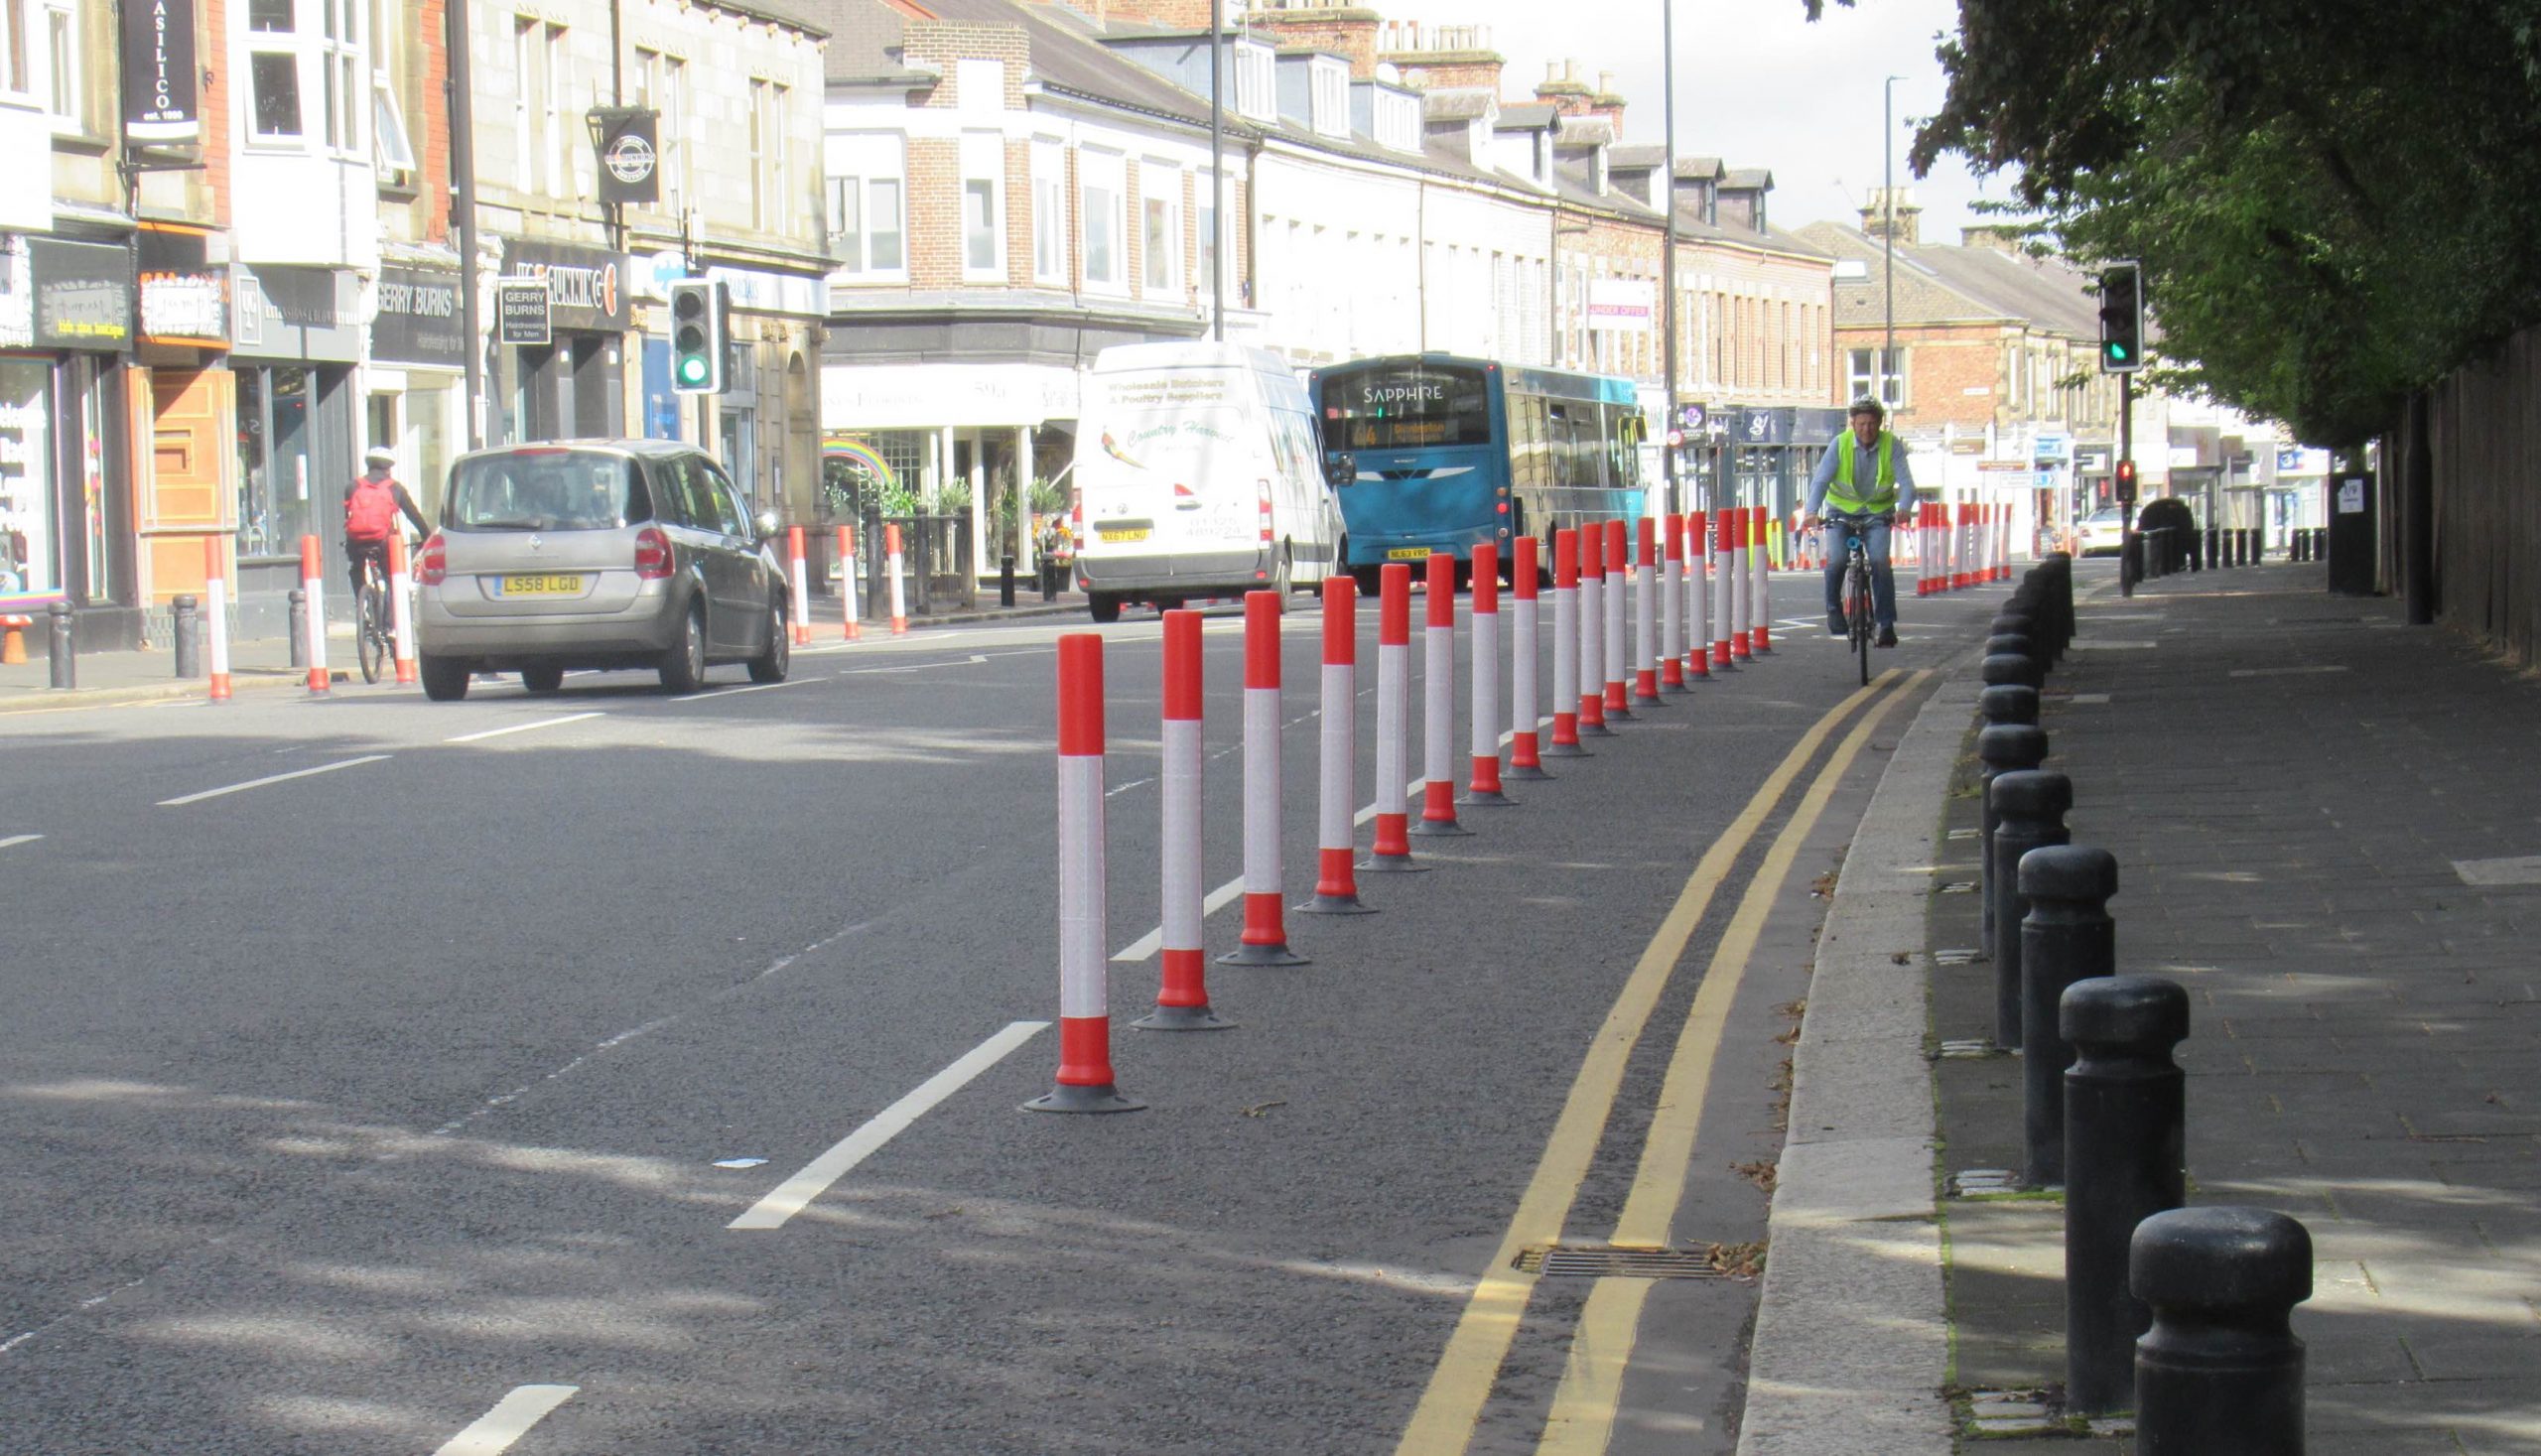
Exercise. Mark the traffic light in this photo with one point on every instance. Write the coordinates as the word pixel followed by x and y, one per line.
pixel 2126 483
pixel 2121 318
pixel 700 325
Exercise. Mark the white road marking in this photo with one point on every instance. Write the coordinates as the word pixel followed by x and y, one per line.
pixel 19 838
pixel 521 727
pixel 796 1193
pixel 258 783
pixel 508 1421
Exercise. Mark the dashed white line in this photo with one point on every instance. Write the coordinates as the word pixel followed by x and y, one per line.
pixel 19 838
pixel 258 783
pixel 796 1193
pixel 521 727
pixel 509 1421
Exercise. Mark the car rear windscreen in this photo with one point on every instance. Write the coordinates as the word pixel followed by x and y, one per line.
pixel 546 490
pixel 1406 407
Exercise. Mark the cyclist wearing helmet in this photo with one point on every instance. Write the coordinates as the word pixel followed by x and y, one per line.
pixel 373 505
pixel 1864 479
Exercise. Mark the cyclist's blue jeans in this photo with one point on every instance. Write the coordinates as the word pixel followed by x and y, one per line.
pixel 1883 582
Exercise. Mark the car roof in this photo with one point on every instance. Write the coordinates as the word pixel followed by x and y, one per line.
pixel 645 449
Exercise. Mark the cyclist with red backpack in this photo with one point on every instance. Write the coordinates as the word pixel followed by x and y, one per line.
pixel 371 506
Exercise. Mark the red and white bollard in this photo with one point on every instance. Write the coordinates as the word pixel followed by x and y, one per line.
pixel 1392 854
pixel 215 605
pixel 1618 654
pixel 2003 542
pixel 1763 596
pixel 1672 607
pixel 1645 601
pixel 1438 703
pixel 801 625
pixel 1264 941
pixel 1922 548
pixel 401 608
pixel 899 594
pixel 846 582
pixel 1960 576
pixel 1697 594
pixel 1182 993
pixel 1567 697
pixel 313 593
pixel 1592 630
pixel 1742 585
pixel 1525 704
pixel 1085 1082
pixel 1724 591
pixel 1485 710
pixel 1336 886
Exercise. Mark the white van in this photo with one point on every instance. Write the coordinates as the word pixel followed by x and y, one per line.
pixel 1199 474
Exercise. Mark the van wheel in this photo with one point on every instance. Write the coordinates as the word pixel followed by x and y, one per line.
pixel 1104 606
pixel 542 679
pixel 444 678
pixel 683 665
pixel 1284 580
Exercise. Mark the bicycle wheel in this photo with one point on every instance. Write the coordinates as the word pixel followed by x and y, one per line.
pixel 371 637
pixel 1857 611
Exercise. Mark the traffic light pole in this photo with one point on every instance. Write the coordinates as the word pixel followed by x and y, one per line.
pixel 2130 551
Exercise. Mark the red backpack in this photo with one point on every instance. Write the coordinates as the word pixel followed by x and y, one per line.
pixel 370 511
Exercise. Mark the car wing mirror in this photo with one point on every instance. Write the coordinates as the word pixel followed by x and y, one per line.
pixel 765 522
pixel 1341 469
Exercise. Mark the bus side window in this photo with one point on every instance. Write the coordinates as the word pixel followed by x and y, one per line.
pixel 1558 439
pixel 1528 467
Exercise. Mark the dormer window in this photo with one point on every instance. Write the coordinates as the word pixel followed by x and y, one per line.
pixel 1257 81
pixel 1478 138
pixel 1328 97
pixel 1397 118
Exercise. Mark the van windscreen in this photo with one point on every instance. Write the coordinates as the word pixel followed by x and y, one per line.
pixel 1405 406
pixel 546 490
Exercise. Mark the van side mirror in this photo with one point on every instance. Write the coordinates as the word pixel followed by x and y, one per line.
pixel 1340 470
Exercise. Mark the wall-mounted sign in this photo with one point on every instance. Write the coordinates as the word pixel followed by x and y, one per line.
pixel 185 299
pixel 2351 496
pixel 524 311
pixel 158 96
pixel 418 320
pixel 629 165
pixel 585 287
pixel 1626 304
pixel 83 295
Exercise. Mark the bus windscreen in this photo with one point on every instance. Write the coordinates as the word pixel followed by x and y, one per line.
pixel 1407 407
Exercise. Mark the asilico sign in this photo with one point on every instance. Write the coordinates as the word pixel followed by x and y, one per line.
pixel 160 99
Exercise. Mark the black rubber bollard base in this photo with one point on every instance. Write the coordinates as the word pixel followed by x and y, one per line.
pixel 1437 829
pixel 1066 1098
pixel 1564 750
pixel 1335 905
pixel 1278 955
pixel 1671 689
pixel 1391 864
pixel 1182 1018
pixel 1493 800
pixel 1596 730
pixel 1524 774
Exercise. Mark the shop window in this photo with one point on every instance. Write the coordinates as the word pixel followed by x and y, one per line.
pixel 27 548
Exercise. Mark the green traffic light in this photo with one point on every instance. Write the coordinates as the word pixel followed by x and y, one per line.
pixel 692 370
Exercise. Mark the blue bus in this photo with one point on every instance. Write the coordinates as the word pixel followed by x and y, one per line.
pixel 1440 453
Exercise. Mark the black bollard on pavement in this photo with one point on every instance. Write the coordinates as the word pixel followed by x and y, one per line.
pixel 2029 814
pixel 299 628
pixel 2015 644
pixel 1006 579
pixel 59 643
pixel 185 627
pixel 2125 1155
pixel 2067 937
pixel 2008 703
pixel 2221 1368
pixel 2001 748
pixel 1995 671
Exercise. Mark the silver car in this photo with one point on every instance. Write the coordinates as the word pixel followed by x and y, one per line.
pixel 597 553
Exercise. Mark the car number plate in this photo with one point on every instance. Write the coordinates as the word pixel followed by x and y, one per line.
pixel 1121 533
pixel 1409 552
pixel 540 586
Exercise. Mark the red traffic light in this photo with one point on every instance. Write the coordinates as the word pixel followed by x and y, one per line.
pixel 2125 482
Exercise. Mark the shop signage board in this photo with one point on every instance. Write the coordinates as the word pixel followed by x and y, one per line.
pixel 418 320
pixel 586 288
pixel 184 300
pixel 523 312
pixel 160 97
pixel 82 295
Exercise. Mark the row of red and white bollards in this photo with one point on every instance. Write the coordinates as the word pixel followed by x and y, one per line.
pixel 1961 544
pixel 1589 685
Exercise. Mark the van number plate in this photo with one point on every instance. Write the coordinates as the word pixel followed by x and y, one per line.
pixel 1409 552
pixel 1121 533
pixel 546 585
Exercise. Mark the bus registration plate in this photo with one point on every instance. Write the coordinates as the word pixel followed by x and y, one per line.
pixel 1121 533
pixel 1409 552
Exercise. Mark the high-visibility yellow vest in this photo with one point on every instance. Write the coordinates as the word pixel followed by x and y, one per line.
pixel 1883 495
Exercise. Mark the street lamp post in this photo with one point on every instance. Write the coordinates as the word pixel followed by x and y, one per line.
pixel 1666 199
pixel 1217 173
pixel 1888 235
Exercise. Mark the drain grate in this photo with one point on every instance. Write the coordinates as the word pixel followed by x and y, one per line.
pixel 1604 1261
pixel 1958 887
pixel 1955 957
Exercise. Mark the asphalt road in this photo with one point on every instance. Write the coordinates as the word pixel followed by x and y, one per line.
pixel 339 1107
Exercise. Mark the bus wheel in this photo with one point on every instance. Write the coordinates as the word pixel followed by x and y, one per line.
pixel 1104 605
pixel 1371 580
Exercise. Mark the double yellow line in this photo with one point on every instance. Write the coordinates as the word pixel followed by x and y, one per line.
pixel 1584 1407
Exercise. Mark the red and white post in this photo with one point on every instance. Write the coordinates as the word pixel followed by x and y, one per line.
pixel 1922 548
pixel 1672 607
pixel 900 594
pixel 1762 637
pixel 1085 1083
pixel 1336 886
pixel 1264 941
pixel 1525 703
pixel 1392 852
pixel 313 593
pixel 1182 993
pixel 846 582
pixel 1438 703
pixel 1485 708
pixel 1567 697
pixel 1961 575
pixel 1697 594
pixel 1724 594
pixel 1618 654
pixel 401 607
pixel 801 574
pixel 1592 631
pixel 215 605
pixel 1742 584
pixel 1644 602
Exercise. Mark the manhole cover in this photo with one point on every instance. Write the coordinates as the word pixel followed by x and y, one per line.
pixel 1603 1262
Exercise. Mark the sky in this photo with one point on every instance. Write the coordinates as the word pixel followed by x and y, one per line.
pixel 1757 86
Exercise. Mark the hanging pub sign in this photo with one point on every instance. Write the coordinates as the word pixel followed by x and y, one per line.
pixel 630 162
pixel 160 106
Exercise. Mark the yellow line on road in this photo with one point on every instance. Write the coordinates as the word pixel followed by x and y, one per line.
pixel 1585 1404
pixel 1461 1383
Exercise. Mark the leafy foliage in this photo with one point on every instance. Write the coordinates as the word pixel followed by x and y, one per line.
pixel 2334 202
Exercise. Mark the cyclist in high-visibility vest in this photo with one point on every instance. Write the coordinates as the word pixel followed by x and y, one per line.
pixel 1862 475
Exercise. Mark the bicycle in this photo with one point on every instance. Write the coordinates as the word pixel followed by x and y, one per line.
pixel 1856 592
pixel 375 630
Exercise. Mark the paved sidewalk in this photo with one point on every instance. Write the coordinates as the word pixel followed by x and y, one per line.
pixel 2327 826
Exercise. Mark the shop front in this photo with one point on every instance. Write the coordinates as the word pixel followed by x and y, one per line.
pixel 568 380
pixel 415 380
pixel 185 406
pixel 66 323
pixel 292 359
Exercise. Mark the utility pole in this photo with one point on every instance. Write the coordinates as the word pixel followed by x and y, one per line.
pixel 463 181
pixel 1673 497
pixel 1887 237
pixel 1217 171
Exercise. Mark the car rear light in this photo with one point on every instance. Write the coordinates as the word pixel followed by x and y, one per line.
pixel 1267 536
pixel 432 564
pixel 652 555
